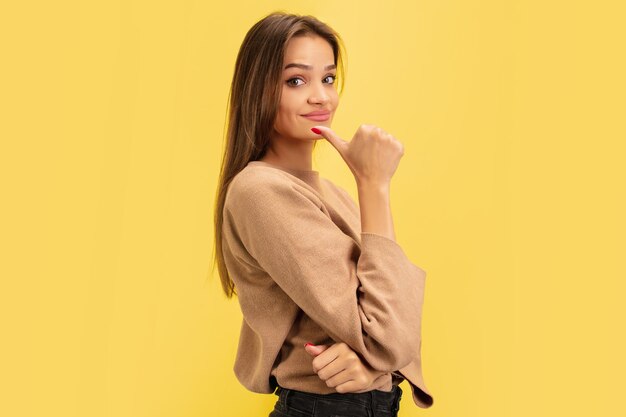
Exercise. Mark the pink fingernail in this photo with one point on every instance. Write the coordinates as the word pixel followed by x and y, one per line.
pixel 316 130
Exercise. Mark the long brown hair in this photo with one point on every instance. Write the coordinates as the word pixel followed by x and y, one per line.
pixel 253 103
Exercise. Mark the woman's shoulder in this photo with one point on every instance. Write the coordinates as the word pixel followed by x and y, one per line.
pixel 258 183
pixel 252 176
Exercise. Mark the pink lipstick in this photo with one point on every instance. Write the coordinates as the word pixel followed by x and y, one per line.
pixel 318 116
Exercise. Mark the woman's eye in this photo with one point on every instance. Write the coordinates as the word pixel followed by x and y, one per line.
pixel 294 82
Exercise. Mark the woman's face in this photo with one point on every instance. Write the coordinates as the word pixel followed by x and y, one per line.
pixel 309 96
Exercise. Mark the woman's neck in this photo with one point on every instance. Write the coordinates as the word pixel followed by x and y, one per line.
pixel 292 154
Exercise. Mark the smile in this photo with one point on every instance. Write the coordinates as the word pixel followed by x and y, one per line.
pixel 317 116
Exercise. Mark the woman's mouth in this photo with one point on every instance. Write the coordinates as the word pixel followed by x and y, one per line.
pixel 318 116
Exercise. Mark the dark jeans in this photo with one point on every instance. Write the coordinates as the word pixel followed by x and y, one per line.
pixel 376 403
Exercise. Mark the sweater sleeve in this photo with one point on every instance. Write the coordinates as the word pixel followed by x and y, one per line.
pixel 369 296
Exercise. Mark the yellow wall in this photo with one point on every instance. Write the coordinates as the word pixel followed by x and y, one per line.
pixel 510 195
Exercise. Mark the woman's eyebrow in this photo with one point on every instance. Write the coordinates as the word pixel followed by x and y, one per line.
pixel 308 67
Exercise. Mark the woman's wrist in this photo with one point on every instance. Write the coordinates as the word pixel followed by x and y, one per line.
pixel 375 207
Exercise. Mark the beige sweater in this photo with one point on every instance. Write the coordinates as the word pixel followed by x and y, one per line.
pixel 304 272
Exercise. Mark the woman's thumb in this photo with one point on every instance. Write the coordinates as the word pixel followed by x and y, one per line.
pixel 331 136
pixel 315 350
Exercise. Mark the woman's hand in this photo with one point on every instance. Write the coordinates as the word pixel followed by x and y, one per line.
pixel 343 369
pixel 373 155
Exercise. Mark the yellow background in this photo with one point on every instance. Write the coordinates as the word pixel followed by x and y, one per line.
pixel 510 195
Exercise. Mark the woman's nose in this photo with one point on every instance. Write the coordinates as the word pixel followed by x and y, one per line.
pixel 318 95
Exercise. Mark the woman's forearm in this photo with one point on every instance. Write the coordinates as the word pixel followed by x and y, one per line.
pixel 375 206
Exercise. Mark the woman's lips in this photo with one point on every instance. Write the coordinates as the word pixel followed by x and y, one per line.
pixel 318 117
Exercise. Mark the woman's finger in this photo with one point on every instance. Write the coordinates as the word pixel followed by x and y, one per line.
pixel 333 368
pixel 332 137
pixel 324 358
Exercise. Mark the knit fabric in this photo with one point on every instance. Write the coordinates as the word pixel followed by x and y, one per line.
pixel 304 272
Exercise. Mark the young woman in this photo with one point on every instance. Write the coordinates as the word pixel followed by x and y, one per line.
pixel 331 304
